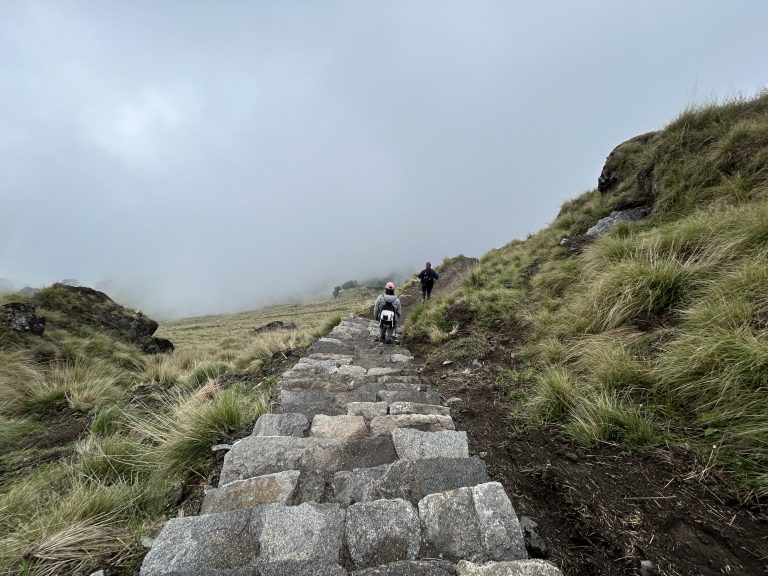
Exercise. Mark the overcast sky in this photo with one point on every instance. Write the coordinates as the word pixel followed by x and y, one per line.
pixel 202 157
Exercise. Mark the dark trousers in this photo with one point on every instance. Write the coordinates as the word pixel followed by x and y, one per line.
pixel 387 332
pixel 426 289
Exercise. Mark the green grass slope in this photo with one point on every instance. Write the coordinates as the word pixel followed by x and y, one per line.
pixel 100 443
pixel 658 331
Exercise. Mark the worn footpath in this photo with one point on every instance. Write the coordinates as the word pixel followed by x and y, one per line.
pixel 360 471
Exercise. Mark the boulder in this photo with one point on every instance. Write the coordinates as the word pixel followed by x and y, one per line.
pixel 272 326
pixel 616 168
pixel 155 345
pixel 576 244
pixel 629 215
pixel 534 543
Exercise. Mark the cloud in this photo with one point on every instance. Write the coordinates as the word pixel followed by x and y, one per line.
pixel 202 158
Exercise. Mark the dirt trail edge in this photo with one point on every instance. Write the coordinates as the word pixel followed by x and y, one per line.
pixel 360 471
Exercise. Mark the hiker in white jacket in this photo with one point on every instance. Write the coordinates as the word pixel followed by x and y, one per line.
pixel 387 311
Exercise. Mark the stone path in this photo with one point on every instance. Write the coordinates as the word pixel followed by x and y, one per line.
pixel 360 471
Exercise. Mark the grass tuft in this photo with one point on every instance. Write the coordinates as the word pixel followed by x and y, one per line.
pixel 184 432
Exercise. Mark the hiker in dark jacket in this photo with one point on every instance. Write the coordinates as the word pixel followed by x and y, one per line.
pixel 387 311
pixel 427 277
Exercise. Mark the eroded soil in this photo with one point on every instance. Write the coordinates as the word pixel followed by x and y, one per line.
pixel 603 511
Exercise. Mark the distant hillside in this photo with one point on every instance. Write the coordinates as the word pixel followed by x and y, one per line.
pixel 652 327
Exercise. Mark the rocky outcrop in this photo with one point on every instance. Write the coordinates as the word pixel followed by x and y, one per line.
pixel 96 309
pixel 617 168
pixel 21 317
pixel 575 244
pixel 359 473
pixel 605 224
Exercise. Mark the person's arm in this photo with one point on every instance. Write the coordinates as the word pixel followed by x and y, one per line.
pixel 377 307
pixel 398 308
pixel 436 274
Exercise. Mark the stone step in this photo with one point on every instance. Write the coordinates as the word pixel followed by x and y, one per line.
pixel 348 332
pixel 317 356
pixel 410 480
pixel 291 424
pixel 339 428
pixel 391 378
pixel 384 355
pixel 367 359
pixel 331 346
pixel 382 531
pixel 350 372
pixel 359 472
pixel 259 455
pixel 305 382
pixel 367 410
pixel 278 488
pixel 531 567
pixel 370 410
pixel 314 401
pixel 271 538
pixel 381 425
pixel 410 568
pixel 416 408
pixel 476 524
pixel 417 445
pixel 415 396
pixel 309 402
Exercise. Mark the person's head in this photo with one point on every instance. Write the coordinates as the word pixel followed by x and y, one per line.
pixel 428 265
pixel 389 288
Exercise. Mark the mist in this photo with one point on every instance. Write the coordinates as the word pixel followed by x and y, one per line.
pixel 204 157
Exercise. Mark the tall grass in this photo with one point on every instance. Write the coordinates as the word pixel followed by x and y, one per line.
pixel 152 421
pixel 184 432
pixel 657 331
pixel 81 385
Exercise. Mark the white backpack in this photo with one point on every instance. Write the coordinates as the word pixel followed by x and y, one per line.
pixel 387 315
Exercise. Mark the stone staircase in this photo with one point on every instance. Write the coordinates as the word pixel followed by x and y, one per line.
pixel 360 471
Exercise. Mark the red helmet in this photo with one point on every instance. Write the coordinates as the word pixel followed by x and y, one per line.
pixel 390 286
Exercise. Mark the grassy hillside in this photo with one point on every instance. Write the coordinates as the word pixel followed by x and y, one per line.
pixel 100 443
pixel 656 332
